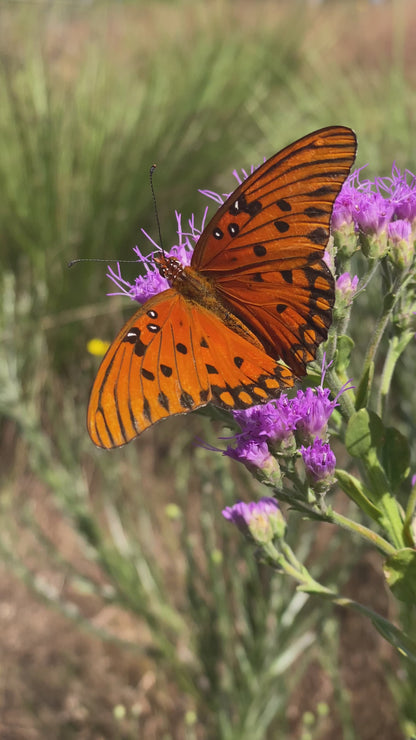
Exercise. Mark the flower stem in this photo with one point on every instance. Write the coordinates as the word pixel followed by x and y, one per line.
pixel 397 345
pixel 407 524
pixel 282 558
pixel 372 537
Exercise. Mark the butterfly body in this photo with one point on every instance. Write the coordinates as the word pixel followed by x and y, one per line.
pixel 242 321
pixel 201 292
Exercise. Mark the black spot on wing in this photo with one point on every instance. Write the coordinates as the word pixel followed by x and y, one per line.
pixel 318 236
pixel 132 336
pixel 314 212
pixel 147 374
pixel 283 204
pixel 281 226
pixel 233 229
pixel 163 400
pixel 324 190
pixel 146 410
pixel 186 400
pixel 211 370
pixel 166 370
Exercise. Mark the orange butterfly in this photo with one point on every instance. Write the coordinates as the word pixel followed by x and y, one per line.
pixel 242 321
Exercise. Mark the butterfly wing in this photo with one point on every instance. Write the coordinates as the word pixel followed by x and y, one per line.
pixel 263 249
pixel 172 357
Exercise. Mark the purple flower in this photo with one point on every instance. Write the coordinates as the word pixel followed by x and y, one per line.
pixel 319 461
pixel 274 421
pixel 401 193
pixel 401 243
pixel 347 202
pixel 258 520
pixel 256 456
pixel 372 213
pixel 248 451
pixel 151 283
pixel 314 409
pixel 375 206
pixel 346 287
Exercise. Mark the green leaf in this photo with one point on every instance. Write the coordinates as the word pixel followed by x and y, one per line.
pixel 345 346
pixel 400 572
pixel 358 493
pixel 400 640
pixel 364 431
pixel 395 456
pixel 364 387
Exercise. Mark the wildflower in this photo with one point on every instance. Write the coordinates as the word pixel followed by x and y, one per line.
pixel 319 461
pixel 401 242
pixel 152 282
pixel 259 521
pixel 402 194
pixel 314 409
pixel 97 347
pixel 343 225
pixel 274 421
pixel 346 287
pixel 257 458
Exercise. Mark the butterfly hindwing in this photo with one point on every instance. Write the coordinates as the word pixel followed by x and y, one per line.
pixel 240 373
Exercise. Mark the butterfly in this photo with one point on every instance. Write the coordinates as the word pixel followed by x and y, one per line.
pixel 240 323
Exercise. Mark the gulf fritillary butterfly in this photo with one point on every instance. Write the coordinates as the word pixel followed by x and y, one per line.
pixel 245 318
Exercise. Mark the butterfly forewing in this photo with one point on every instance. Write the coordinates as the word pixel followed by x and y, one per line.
pixel 173 357
pixel 263 249
pixel 282 211
pixel 151 371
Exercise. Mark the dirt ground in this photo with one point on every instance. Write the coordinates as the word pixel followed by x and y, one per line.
pixel 57 681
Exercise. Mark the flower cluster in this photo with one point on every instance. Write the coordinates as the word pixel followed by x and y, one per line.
pixel 382 212
pixel 278 427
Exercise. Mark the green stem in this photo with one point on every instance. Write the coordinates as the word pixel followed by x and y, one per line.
pixel 284 559
pixel 367 534
pixel 397 345
pixel 398 286
pixel 408 518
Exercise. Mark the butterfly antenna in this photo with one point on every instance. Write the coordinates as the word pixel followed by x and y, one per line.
pixel 151 171
pixel 97 259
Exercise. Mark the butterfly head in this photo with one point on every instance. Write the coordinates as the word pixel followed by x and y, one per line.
pixel 169 267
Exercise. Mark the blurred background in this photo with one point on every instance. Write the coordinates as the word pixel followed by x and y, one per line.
pixel 128 607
